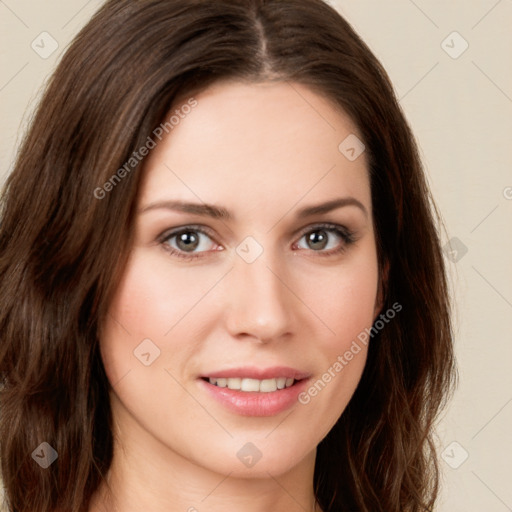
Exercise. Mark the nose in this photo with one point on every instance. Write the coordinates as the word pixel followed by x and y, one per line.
pixel 259 305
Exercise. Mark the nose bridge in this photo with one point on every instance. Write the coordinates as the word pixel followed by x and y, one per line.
pixel 260 303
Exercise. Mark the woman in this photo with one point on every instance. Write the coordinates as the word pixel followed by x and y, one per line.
pixel 221 280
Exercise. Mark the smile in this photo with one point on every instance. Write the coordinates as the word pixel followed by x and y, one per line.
pixel 252 391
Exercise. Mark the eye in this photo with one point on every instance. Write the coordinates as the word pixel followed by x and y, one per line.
pixel 187 242
pixel 326 238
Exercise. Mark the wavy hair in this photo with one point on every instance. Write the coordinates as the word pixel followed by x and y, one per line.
pixel 62 249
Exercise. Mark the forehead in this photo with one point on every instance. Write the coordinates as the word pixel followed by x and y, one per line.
pixel 255 146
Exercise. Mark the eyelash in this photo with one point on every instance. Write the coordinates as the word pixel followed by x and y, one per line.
pixel 345 234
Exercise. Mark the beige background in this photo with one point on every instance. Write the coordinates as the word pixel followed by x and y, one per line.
pixel 461 111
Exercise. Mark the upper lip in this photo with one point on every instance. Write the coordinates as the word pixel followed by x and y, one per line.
pixel 252 372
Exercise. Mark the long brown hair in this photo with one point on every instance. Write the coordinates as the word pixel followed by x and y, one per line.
pixel 63 247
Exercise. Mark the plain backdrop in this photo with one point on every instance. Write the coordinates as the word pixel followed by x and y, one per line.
pixel 450 63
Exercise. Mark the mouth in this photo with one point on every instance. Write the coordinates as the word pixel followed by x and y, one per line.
pixel 253 391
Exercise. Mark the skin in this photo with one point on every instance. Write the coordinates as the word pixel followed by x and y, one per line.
pixel 262 151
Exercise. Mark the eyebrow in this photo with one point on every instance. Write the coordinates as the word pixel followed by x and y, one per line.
pixel 208 210
pixel 218 212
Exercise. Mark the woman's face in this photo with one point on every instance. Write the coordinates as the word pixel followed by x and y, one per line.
pixel 254 266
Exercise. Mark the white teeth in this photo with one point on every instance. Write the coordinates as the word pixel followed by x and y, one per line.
pixel 281 382
pixel 250 385
pixel 268 385
pixel 234 383
pixel 262 386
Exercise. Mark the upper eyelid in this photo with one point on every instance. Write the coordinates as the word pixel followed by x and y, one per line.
pixel 168 233
pixel 330 226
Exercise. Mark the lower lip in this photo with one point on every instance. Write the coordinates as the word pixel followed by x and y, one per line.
pixel 252 403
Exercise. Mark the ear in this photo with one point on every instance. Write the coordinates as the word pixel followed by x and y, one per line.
pixel 381 290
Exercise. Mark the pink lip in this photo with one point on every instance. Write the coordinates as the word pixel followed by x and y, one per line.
pixel 251 372
pixel 251 403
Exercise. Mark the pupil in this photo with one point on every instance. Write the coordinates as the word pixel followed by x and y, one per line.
pixel 317 240
pixel 187 241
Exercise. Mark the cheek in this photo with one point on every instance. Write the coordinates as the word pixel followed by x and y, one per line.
pixel 344 297
pixel 154 296
pixel 153 302
pixel 152 320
